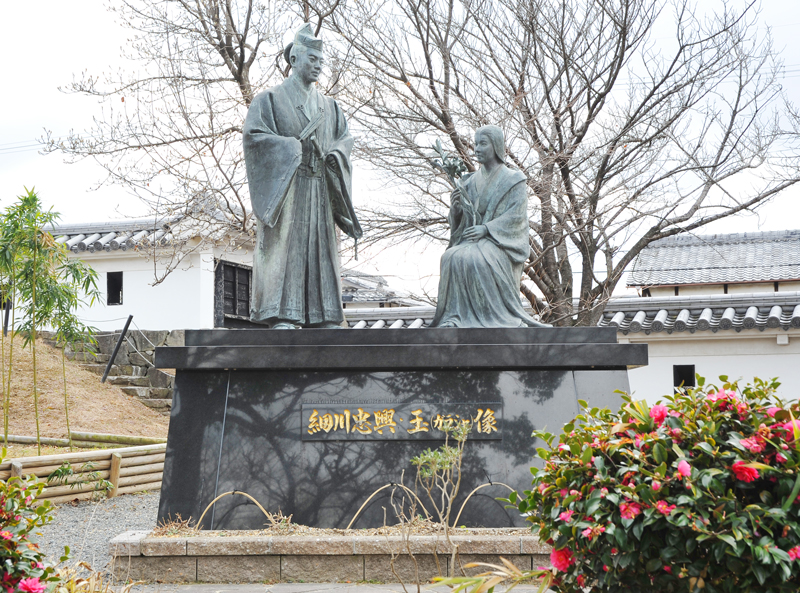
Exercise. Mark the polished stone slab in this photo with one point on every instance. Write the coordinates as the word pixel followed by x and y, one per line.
pixel 243 417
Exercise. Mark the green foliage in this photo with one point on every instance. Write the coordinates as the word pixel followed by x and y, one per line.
pixel 697 494
pixel 22 563
pixel 44 284
pixel 64 474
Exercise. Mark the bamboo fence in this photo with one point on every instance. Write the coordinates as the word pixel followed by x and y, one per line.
pixel 128 469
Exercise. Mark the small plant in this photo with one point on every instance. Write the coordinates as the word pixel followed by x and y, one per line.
pixel 65 475
pixel 22 564
pixel 487 581
pixel 697 494
pixel 279 522
pixel 174 526
pixel 439 471
pixel 82 579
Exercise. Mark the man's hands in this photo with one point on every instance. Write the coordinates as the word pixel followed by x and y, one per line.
pixel 475 233
pixel 345 224
pixel 330 160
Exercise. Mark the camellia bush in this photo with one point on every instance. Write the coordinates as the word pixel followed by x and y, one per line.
pixel 699 493
pixel 22 564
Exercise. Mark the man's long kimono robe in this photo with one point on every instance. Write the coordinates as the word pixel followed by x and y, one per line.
pixel 295 197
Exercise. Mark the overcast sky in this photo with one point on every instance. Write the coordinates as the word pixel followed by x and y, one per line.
pixel 50 40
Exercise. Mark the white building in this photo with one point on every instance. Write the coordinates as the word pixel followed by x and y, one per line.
pixel 208 284
pixel 714 305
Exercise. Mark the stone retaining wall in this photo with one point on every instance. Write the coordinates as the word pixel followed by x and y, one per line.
pixel 251 559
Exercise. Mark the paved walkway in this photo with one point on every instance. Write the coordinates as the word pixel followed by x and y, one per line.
pixel 302 588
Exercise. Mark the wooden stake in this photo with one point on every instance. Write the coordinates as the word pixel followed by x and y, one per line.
pixel 116 460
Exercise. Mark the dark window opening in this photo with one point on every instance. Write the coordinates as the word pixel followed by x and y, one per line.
pixel 114 288
pixel 646 292
pixel 231 294
pixel 725 289
pixel 381 305
pixel 677 291
pixel 683 376
pixel 776 287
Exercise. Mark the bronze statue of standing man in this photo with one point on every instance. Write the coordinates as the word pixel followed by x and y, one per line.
pixel 297 151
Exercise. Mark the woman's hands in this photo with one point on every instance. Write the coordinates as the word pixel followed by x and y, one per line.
pixel 455 201
pixel 475 233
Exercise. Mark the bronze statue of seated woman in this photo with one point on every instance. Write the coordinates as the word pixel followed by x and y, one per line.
pixel 482 266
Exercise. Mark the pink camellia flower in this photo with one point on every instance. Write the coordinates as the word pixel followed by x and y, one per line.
pixel 743 473
pixel 780 458
pixel 741 407
pixel 563 447
pixel 658 413
pixel 543 487
pixel 605 567
pixel 664 508
pixel 789 426
pixel 794 553
pixel 603 492
pixel 564 492
pixel 629 510
pixel 581 580
pixel 28 499
pixel 752 444
pixel 591 532
pixel 656 485
pixel 6 534
pixel 637 441
pixel 566 516
pixel 772 411
pixel 784 446
pixel 668 569
pixel 31 585
pixel 562 559
pixel 684 469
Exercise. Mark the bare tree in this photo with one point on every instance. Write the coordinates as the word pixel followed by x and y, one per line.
pixel 171 130
pixel 626 136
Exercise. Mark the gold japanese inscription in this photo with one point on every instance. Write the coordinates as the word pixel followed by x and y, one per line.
pixel 378 421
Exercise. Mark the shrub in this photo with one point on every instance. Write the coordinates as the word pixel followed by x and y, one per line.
pixel 22 566
pixel 699 493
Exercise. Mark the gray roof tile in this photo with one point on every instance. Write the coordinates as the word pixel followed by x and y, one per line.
pixel 718 259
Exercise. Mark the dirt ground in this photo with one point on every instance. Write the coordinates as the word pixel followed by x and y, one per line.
pixel 93 406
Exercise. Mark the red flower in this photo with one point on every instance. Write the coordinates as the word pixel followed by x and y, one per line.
pixel 562 559
pixel 772 411
pixel 664 508
pixel 684 469
pixel 566 516
pixel 743 473
pixel 668 569
pixel 752 444
pixel 31 585
pixel 658 413
pixel 794 553
pixel 780 458
pixel 656 485
pixel 581 580
pixel 630 510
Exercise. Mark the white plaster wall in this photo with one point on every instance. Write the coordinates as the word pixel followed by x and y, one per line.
pixel 184 300
pixel 743 355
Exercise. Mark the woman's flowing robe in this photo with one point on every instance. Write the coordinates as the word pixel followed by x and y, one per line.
pixel 479 285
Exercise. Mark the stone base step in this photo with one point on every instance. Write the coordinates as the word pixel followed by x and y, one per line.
pixel 116 370
pixel 129 381
pixel 157 404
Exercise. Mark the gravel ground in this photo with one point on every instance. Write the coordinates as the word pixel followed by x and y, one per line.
pixel 87 527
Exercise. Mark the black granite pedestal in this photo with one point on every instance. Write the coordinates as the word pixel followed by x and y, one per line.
pixel 312 422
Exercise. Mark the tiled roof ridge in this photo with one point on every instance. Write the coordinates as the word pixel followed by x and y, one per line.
pixel 684 239
pixel 692 314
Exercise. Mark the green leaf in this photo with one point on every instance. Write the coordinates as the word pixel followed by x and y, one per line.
pixel 705 448
pixel 654 564
pixel 727 539
pixel 659 453
pixel 587 455
pixel 678 451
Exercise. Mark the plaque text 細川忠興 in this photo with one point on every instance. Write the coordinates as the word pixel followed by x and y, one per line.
pixel 392 421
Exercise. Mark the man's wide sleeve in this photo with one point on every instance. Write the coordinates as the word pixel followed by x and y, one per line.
pixel 271 160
